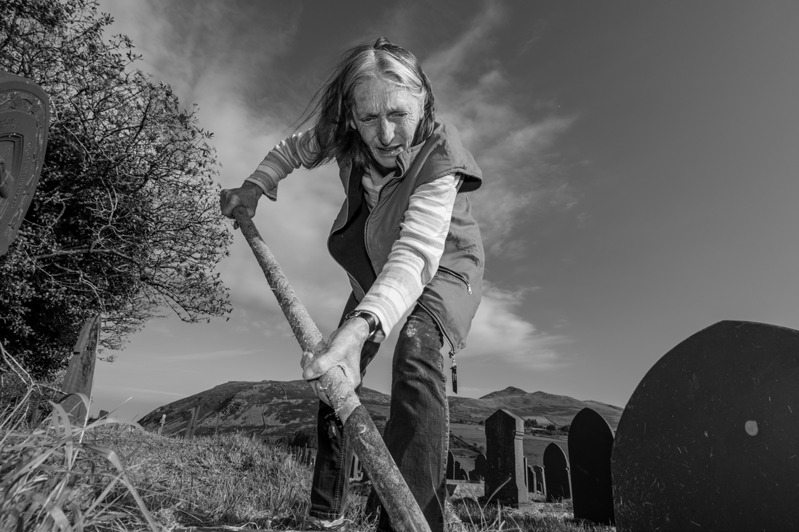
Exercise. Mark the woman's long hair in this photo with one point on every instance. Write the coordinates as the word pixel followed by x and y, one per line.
pixel 332 104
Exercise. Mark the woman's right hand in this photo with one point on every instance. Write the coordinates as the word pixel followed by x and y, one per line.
pixel 246 195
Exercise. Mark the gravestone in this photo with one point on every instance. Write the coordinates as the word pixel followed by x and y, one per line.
pixel 556 471
pixel 710 439
pixel 161 424
pixel 590 444
pixel 531 482
pixel 450 466
pixel 195 411
pixel 504 453
pixel 24 119
pixel 480 466
pixel 540 482
pixel 80 372
pixel 356 472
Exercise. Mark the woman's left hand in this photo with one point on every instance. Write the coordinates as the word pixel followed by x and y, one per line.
pixel 343 349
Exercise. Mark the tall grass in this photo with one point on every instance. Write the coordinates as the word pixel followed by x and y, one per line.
pixel 60 474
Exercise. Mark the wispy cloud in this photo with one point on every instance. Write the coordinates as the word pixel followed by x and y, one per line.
pixel 510 143
pixel 498 331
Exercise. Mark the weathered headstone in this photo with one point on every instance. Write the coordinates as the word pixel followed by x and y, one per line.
pixel 540 481
pixel 556 471
pixel 590 444
pixel 531 481
pixel 161 424
pixel 505 476
pixel 709 439
pixel 80 372
pixel 356 472
pixel 24 119
pixel 450 466
pixel 195 412
pixel 480 466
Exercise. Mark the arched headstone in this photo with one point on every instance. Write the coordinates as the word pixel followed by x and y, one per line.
pixel 710 437
pixel 540 483
pixel 590 445
pixel 480 466
pixel 531 482
pixel 24 119
pixel 556 471
pixel 504 452
pixel 450 466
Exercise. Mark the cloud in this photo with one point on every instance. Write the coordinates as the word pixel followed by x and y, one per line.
pixel 497 331
pixel 511 133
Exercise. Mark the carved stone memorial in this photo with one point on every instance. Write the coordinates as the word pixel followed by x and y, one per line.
pixel 24 119
pixel 556 471
pixel 504 453
pixel 540 482
pixel 480 466
pixel 590 445
pixel 710 437
pixel 80 372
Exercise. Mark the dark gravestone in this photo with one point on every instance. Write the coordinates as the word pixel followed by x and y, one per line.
pixel 480 466
pixel 556 471
pixel 540 483
pixel 24 118
pixel 450 466
pixel 710 438
pixel 530 479
pixel 505 476
pixel 590 445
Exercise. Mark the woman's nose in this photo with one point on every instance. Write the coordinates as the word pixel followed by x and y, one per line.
pixel 385 132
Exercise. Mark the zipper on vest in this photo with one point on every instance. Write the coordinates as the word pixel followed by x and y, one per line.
pixel 460 277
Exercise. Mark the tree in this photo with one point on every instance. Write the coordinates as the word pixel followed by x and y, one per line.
pixel 125 222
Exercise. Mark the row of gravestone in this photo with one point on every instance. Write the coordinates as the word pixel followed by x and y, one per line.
pixel 708 440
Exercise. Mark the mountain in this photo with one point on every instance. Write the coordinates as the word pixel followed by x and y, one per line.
pixel 272 409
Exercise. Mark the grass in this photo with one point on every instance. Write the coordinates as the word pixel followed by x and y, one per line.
pixel 110 475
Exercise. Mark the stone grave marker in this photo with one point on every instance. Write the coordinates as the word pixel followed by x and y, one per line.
pixel 480 466
pixel 590 444
pixel 24 119
pixel 710 437
pixel 450 466
pixel 504 453
pixel 195 411
pixel 556 471
pixel 531 482
pixel 540 482
pixel 161 424
pixel 80 372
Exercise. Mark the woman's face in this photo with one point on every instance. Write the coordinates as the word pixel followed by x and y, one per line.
pixel 386 117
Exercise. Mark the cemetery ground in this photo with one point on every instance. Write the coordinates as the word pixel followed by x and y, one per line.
pixel 112 476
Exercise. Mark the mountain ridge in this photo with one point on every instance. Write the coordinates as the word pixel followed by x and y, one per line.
pixel 279 409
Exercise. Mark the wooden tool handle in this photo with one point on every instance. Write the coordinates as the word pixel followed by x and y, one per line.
pixel 358 425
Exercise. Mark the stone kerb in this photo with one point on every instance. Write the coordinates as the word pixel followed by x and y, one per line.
pixel 505 475
pixel 590 444
pixel 709 439
pixel 556 471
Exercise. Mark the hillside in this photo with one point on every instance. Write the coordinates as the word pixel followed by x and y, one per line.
pixel 271 410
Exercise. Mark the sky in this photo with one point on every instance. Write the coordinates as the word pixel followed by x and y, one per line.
pixel 640 165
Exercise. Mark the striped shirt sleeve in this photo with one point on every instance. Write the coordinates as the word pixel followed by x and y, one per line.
pixel 415 255
pixel 296 151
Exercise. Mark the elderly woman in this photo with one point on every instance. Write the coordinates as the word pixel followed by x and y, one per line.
pixel 406 238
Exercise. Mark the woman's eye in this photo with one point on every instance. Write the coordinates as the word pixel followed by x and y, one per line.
pixel 368 121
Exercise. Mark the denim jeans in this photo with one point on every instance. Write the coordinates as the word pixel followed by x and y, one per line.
pixel 417 433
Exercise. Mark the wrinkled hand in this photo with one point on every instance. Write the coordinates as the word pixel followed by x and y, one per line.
pixel 344 350
pixel 247 195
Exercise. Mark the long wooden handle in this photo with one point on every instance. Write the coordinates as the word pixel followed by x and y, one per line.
pixel 358 426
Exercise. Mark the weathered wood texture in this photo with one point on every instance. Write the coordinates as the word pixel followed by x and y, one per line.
pixel 386 479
